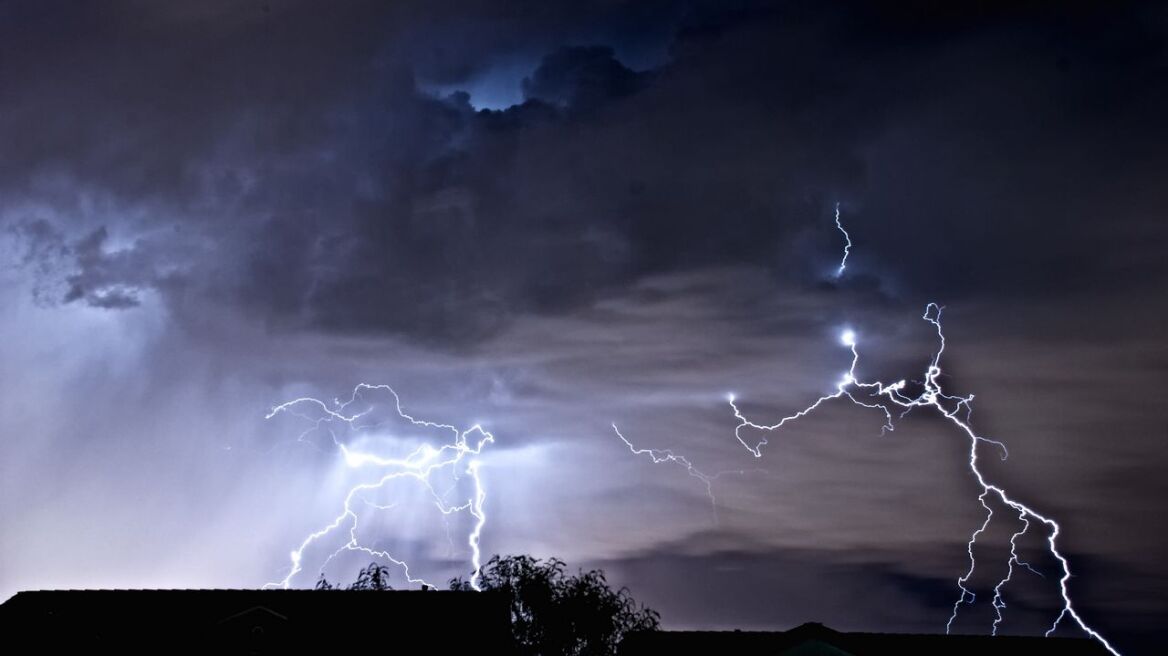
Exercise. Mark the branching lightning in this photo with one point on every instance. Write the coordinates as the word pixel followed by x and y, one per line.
pixel 460 455
pixel 667 455
pixel 457 457
pixel 957 410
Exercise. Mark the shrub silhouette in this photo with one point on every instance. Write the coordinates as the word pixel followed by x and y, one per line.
pixel 556 613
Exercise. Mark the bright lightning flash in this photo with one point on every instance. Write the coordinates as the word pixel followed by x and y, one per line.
pixel 848 338
pixel 457 457
pixel 956 409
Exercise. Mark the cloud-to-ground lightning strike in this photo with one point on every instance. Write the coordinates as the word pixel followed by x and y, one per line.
pixel 458 457
pixel 886 397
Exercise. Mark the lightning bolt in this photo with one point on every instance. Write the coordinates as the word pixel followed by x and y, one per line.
pixel 998 603
pixel 847 245
pixel 885 397
pixel 458 457
pixel 666 455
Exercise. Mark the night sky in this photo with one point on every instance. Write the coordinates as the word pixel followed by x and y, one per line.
pixel 548 217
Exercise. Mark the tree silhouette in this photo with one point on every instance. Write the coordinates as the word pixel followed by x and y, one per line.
pixel 554 613
pixel 372 577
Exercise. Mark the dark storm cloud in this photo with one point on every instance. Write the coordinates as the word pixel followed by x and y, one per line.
pixel 102 280
pixel 581 78
pixel 91 270
pixel 341 197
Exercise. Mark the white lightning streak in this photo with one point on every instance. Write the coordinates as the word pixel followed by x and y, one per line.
pixel 847 246
pixel 460 456
pixel 667 455
pixel 932 396
pixel 998 603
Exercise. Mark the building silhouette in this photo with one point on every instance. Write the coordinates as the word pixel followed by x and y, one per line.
pixel 257 621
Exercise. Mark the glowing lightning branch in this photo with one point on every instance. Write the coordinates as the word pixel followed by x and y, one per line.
pixel 666 455
pixel 950 407
pixel 459 456
pixel 847 246
pixel 998 603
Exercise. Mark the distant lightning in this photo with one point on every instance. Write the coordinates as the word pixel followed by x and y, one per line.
pixel 883 397
pixel 459 457
pixel 847 246
pixel 666 455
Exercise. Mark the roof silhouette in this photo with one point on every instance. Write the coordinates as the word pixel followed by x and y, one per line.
pixel 423 621
pixel 814 639
pixel 258 621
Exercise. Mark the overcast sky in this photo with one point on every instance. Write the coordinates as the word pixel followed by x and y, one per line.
pixel 547 218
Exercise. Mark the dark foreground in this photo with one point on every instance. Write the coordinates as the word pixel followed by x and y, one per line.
pixel 422 622
pixel 818 640
pixel 259 621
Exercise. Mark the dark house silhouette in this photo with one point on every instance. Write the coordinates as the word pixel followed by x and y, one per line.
pixel 406 622
pixel 818 640
pixel 258 621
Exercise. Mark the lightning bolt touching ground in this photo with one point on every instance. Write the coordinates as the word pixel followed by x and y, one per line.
pixel 457 457
pixel 957 410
